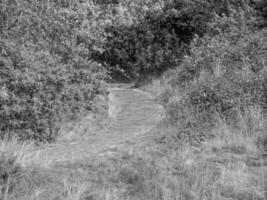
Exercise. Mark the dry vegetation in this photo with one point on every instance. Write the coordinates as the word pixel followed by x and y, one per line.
pixel 213 142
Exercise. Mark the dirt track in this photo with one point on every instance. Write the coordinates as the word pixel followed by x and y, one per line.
pixel 133 113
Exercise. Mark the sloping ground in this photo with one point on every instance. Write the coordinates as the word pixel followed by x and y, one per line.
pixel 132 112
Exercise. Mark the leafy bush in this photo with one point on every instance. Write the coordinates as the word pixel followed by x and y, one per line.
pixel 159 39
pixel 46 76
pixel 222 77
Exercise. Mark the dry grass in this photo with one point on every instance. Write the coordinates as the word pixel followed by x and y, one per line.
pixel 229 166
pixel 12 148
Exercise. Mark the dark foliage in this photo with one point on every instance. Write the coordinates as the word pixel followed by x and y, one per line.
pixel 261 9
pixel 104 2
pixel 160 40
pixel 153 45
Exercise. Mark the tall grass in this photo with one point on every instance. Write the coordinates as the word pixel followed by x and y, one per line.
pixel 227 166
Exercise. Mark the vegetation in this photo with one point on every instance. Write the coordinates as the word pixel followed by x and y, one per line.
pixel 204 60
pixel 223 78
pixel 159 40
pixel 216 103
pixel 46 74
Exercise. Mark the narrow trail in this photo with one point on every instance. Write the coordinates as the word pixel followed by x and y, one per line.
pixel 133 113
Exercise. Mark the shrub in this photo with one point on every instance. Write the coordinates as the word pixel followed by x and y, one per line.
pixel 222 77
pixel 149 46
pixel 159 40
pixel 46 75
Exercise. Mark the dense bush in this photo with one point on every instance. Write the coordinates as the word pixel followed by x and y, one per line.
pixel 222 78
pixel 46 76
pixel 152 45
pixel 158 41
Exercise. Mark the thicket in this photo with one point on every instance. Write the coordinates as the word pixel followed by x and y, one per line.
pixel 158 40
pixel 222 80
pixel 46 76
